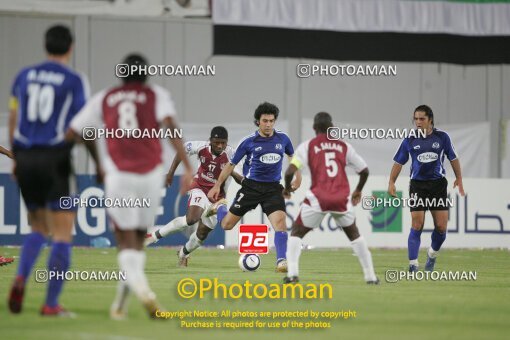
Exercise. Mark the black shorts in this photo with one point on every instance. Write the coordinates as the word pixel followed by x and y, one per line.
pixel 429 195
pixel 44 176
pixel 252 193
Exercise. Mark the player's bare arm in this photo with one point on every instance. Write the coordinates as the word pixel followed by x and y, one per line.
pixel 187 177
pixel 13 117
pixel 289 175
pixel 6 152
pixel 395 171
pixel 72 136
pixel 356 195
pixel 458 176
pixel 215 190
pixel 237 177
pixel 171 171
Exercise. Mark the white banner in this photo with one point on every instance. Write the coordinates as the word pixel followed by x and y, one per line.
pixel 481 219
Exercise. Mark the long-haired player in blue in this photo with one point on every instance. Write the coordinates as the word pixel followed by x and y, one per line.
pixel 44 99
pixel 428 183
pixel 262 172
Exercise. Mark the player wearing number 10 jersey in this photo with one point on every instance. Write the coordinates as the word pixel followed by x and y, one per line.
pixel 329 193
pixel 44 99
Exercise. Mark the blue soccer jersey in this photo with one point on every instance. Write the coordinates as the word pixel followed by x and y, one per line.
pixel 264 156
pixel 427 155
pixel 47 96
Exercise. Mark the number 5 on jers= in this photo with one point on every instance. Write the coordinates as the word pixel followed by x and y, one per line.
pixel 253 239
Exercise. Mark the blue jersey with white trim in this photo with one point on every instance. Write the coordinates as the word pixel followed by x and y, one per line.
pixel 264 156
pixel 427 155
pixel 48 96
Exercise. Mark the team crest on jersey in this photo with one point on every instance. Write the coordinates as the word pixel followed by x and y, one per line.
pixel 278 146
pixel 202 159
pixel 435 145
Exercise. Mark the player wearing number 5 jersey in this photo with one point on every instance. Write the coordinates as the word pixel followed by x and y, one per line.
pixel 329 193
pixel 44 98
pixel 133 169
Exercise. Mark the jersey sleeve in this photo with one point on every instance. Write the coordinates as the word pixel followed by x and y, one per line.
pixel 13 100
pixel 449 149
pixel 402 155
pixel 165 106
pixel 89 115
pixel 241 151
pixel 300 158
pixel 193 147
pixel 289 149
pixel 80 92
pixel 354 160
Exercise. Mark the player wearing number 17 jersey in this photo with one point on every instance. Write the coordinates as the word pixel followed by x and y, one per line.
pixel 329 193
pixel 213 155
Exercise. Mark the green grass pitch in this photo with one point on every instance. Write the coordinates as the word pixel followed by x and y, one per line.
pixel 405 310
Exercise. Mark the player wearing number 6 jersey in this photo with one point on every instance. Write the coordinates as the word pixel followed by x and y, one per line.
pixel 213 155
pixel 329 193
pixel 133 169
pixel 44 99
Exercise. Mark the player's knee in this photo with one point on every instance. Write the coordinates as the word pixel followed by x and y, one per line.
pixel 190 220
pixel 299 231
pixel 202 234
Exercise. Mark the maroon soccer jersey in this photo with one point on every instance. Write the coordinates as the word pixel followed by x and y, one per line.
pixel 210 166
pixel 327 160
pixel 127 121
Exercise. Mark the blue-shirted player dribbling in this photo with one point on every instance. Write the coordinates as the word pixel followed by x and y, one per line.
pixel 428 183
pixel 262 169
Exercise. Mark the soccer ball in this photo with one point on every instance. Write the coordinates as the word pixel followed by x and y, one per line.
pixel 249 262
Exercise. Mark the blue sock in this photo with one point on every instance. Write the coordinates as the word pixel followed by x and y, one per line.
pixel 437 240
pixel 413 244
pixel 60 259
pixel 221 212
pixel 29 253
pixel 280 242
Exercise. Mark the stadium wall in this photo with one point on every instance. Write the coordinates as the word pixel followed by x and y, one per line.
pixel 467 94
pixel 481 219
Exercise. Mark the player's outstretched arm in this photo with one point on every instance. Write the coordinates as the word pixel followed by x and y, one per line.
pixel 356 195
pixel 6 152
pixel 187 177
pixel 395 171
pixel 171 171
pixel 289 175
pixel 458 176
pixel 237 177
pixel 215 190
pixel 71 136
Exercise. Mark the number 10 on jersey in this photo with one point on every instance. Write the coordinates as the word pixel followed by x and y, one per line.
pixel 253 239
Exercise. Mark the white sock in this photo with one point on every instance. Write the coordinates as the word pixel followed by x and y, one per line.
pixel 414 262
pixel 193 243
pixel 293 252
pixel 120 303
pixel 360 248
pixel 132 262
pixel 432 253
pixel 175 225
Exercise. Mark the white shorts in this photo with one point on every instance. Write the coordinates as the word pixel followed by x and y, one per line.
pixel 198 198
pixel 138 188
pixel 312 218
